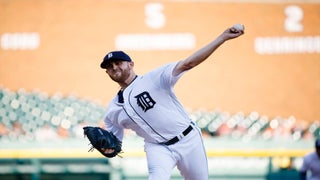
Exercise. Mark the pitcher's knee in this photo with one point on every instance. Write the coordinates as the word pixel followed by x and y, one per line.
pixel 159 174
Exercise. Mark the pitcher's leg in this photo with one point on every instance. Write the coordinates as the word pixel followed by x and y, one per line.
pixel 194 168
pixel 160 162
pixel 193 164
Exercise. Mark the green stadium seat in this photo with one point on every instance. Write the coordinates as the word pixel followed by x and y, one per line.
pixel 34 109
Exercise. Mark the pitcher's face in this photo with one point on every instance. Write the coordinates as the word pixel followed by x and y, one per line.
pixel 119 71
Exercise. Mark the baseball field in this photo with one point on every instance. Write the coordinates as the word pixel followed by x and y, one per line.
pixel 256 100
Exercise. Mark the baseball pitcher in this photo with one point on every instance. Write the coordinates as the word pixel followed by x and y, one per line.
pixel 148 105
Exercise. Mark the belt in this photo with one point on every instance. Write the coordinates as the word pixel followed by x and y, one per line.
pixel 177 138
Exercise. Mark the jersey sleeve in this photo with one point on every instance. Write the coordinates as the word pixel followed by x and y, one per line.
pixel 163 76
pixel 305 165
pixel 117 131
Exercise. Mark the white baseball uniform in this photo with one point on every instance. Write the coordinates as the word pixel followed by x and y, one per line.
pixel 311 163
pixel 151 109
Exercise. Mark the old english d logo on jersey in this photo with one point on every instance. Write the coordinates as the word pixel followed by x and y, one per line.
pixel 145 101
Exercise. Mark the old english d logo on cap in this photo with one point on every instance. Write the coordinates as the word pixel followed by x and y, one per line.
pixel 110 55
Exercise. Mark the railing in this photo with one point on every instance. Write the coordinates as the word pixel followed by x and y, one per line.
pixel 37 164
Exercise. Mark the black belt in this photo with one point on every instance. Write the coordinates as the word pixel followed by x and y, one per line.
pixel 176 139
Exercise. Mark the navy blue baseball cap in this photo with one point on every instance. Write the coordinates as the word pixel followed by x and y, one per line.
pixel 317 143
pixel 114 55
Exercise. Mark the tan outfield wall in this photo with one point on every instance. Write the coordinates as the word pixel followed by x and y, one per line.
pixel 274 69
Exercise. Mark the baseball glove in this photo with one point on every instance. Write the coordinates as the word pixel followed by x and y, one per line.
pixel 103 141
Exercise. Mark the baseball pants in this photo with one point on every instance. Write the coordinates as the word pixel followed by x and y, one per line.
pixel 188 155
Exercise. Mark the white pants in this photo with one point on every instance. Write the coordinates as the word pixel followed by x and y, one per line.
pixel 188 155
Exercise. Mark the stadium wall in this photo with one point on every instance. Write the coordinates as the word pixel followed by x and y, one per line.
pixel 56 46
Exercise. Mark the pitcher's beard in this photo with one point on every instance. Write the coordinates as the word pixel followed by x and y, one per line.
pixel 117 78
pixel 120 78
